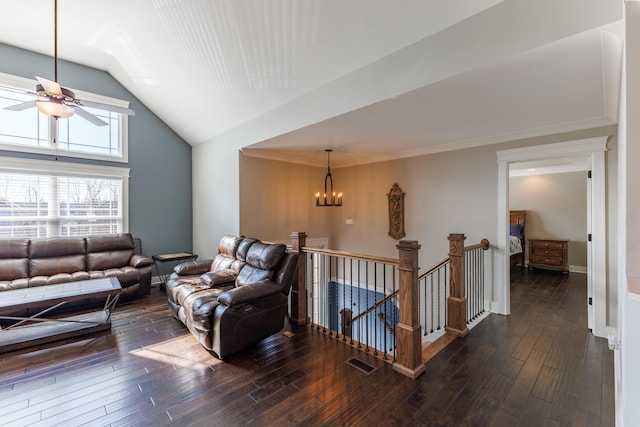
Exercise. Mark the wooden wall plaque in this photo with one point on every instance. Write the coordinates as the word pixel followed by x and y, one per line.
pixel 396 212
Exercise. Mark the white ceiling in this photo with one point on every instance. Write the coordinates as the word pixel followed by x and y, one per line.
pixel 372 79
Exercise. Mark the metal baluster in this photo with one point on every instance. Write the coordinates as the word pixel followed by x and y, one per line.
pixel 384 285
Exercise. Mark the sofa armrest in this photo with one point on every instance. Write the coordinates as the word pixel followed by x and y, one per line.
pixel 249 293
pixel 191 268
pixel 139 261
pixel 218 278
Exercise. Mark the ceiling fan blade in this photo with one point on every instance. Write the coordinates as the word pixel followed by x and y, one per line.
pixel 50 86
pixel 90 117
pixel 106 107
pixel 21 106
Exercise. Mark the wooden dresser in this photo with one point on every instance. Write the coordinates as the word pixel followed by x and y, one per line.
pixel 550 254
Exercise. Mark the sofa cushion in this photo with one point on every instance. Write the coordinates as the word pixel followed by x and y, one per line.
pixel 228 245
pixel 109 242
pixel 262 260
pixel 12 269
pixel 56 247
pixel 198 307
pixel 226 257
pixel 266 256
pixel 14 248
pixel 57 278
pixel 177 283
pixel 7 285
pixel 110 251
pixel 56 255
pixel 243 248
pixel 56 265
pixel 13 259
pixel 127 276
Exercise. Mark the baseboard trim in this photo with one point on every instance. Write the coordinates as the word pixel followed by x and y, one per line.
pixel 578 269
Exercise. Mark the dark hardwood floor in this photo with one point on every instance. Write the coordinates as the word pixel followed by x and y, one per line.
pixel 538 367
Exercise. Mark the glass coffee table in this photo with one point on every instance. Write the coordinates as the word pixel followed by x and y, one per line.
pixel 38 328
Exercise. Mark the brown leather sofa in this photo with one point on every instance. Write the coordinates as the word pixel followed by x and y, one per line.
pixel 40 262
pixel 238 298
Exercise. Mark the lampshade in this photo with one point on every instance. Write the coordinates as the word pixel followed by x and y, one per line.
pixel 55 108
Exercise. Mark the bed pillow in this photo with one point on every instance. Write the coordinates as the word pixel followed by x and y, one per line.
pixel 516 230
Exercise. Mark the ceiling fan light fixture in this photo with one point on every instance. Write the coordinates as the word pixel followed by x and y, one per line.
pixel 59 102
pixel 55 108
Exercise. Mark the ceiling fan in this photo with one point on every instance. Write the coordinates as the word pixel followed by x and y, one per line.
pixel 56 101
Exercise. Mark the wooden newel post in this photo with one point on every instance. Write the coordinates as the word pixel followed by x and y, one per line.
pixel 408 329
pixel 457 302
pixel 299 289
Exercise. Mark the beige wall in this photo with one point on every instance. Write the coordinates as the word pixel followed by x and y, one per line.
pixel 276 198
pixel 556 207
pixel 451 192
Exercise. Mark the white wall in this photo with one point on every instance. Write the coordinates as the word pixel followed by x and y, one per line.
pixel 215 196
pixel 629 230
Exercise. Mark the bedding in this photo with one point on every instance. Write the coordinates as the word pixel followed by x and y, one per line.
pixel 516 237
pixel 515 245
pixel 516 230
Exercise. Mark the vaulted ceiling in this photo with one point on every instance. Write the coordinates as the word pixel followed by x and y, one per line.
pixel 372 79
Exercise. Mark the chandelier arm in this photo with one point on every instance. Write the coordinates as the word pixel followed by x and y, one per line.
pixel 330 192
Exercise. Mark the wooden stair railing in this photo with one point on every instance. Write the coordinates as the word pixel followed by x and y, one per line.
pixel 394 294
pixel 408 334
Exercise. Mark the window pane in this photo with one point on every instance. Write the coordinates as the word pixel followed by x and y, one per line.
pixel 89 206
pixel 27 127
pixel 34 205
pixel 78 134
pixel 24 205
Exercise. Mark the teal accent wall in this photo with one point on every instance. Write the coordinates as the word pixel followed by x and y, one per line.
pixel 160 196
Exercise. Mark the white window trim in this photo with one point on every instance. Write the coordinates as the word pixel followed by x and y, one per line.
pixel 29 85
pixel 12 164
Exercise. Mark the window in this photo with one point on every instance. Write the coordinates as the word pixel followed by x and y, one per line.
pixel 48 199
pixel 30 131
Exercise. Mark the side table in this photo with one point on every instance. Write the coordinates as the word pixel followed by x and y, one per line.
pixel 164 261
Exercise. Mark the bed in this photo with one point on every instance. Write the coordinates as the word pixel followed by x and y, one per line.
pixel 516 237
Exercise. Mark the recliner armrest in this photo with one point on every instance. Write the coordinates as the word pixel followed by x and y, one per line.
pixel 191 268
pixel 139 261
pixel 217 278
pixel 249 293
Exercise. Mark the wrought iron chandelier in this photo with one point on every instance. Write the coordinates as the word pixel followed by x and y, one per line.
pixel 329 196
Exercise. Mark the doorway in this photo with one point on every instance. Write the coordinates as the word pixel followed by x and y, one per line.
pixel 592 150
pixel 555 196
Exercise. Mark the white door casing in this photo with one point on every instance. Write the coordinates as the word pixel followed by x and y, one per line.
pixel 594 149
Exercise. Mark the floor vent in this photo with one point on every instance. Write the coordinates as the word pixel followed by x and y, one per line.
pixel 361 366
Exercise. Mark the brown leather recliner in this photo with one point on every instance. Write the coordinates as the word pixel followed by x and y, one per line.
pixel 238 298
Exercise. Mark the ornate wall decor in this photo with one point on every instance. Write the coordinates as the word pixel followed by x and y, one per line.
pixel 396 212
